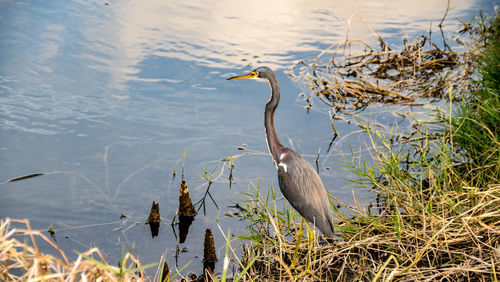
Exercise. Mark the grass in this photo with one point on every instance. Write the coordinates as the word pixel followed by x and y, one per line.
pixel 477 130
pixel 437 191
pixel 23 261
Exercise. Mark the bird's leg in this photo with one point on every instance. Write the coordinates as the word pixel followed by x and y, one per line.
pixel 299 240
pixel 311 240
pixel 308 259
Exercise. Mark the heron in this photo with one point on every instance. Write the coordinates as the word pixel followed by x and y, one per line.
pixel 298 180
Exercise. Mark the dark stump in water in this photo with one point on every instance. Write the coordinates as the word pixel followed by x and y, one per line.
pixel 154 219
pixel 209 256
pixel 186 207
pixel 187 212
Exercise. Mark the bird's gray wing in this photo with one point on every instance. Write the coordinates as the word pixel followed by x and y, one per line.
pixel 302 187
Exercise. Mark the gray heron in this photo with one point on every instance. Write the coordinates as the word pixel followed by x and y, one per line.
pixel 298 181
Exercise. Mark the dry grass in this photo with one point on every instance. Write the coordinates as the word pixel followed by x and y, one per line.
pixel 24 262
pixel 448 236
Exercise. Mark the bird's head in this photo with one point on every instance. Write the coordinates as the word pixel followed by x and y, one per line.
pixel 263 73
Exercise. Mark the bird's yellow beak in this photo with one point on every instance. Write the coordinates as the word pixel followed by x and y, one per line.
pixel 253 74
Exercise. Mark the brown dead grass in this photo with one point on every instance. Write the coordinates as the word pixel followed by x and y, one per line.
pixel 21 261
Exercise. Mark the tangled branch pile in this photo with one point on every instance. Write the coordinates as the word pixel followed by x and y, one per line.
pixel 359 74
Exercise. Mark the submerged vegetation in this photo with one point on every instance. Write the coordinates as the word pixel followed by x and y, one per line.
pixel 437 188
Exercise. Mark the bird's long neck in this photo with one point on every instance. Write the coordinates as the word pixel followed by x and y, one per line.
pixel 272 138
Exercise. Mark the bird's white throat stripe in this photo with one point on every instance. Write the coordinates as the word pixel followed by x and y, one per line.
pixel 282 156
pixel 283 165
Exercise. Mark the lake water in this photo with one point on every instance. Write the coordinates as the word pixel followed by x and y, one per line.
pixel 103 97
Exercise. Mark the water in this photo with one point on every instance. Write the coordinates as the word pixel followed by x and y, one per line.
pixel 104 97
